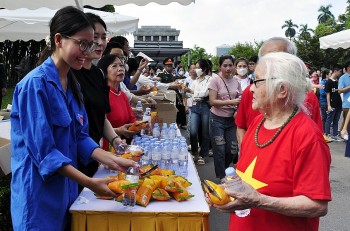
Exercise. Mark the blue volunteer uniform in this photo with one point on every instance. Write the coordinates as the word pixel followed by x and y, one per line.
pixel 48 130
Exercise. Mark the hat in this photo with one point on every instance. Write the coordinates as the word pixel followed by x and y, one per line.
pixel 168 61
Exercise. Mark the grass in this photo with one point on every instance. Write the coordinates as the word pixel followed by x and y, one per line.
pixel 7 99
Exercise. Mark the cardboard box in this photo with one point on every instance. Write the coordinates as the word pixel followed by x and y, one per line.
pixel 166 95
pixel 5 156
pixel 5 114
pixel 166 111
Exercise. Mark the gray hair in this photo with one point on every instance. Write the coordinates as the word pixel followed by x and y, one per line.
pixel 289 45
pixel 282 69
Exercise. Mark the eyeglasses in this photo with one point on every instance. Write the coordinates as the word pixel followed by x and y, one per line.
pixel 259 80
pixel 84 45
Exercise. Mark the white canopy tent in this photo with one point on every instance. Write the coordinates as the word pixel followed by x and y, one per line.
pixel 337 40
pixel 25 24
pixel 34 4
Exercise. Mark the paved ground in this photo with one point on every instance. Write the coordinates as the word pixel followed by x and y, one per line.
pixel 337 218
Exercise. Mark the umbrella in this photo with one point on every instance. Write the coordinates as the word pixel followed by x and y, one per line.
pixel 337 40
pixel 34 4
pixel 24 24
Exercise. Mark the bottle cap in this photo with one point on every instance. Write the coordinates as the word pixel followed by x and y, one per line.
pixel 230 171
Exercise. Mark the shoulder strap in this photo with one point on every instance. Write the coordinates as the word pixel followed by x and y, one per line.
pixel 225 86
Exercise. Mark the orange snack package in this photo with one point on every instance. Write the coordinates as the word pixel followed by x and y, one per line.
pixel 181 195
pixel 116 186
pixel 144 193
pixel 138 126
pixel 224 198
pixel 160 194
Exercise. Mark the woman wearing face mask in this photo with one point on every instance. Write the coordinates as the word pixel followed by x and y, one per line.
pixel 241 65
pixel 181 73
pixel 200 111
pixel 95 91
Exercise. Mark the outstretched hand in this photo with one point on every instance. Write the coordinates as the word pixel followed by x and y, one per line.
pixel 248 198
pixel 100 186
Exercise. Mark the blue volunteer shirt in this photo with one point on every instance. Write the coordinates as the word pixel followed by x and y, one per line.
pixel 48 130
pixel 344 81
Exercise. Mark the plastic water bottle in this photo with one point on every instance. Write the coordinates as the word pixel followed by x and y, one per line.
pixel 145 159
pixel 147 117
pixel 234 183
pixel 156 154
pixel 156 131
pixel 140 109
pixel 165 162
pixel 129 196
pixel 172 132
pixel 174 157
pixel 164 132
pixel 183 160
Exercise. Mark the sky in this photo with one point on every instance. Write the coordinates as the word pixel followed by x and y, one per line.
pixel 211 23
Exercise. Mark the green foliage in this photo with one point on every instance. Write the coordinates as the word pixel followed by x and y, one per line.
pixel 7 99
pixel 245 50
pixel 290 31
pixel 325 16
pixel 323 30
pixel 11 54
pixel 215 61
pixel 195 54
pixel 107 8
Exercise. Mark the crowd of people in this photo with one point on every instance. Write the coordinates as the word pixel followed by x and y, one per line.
pixel 79 101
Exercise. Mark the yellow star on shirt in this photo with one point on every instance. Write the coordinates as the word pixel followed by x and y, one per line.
pixel 247 176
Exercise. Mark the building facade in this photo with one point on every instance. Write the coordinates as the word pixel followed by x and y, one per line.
pixel 158 42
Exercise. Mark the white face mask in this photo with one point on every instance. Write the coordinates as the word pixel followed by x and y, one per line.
pixel 242 71
pixel 181 72
pixel 199 72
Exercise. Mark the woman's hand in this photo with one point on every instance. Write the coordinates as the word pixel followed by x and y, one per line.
pixel 118 141
pixel 100 186
pixel 248 198
pixel 123 131
pixel 143 64
pixel 236 101
pixel 329 108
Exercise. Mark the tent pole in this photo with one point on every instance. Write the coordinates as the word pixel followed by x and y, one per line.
pixel 79 6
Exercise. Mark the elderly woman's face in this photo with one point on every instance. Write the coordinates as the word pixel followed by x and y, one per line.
pixel 116 71
pixel 258 88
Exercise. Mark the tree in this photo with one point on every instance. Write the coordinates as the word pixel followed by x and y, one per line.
pixel 245 50
pixel 290 31
pixel 195 54
pixel 326 16
pixel 304 31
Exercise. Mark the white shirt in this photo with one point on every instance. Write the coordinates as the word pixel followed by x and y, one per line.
pixel 200 88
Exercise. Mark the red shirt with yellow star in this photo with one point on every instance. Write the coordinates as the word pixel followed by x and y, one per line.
pixel 296 163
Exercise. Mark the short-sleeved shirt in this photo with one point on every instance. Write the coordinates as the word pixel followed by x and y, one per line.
pixel 49 129
pixel 121 112
pixel 295 163
pixel 344 81
pixel 96 101
pixel 332 89
pixel 230 89
pixel 244 82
